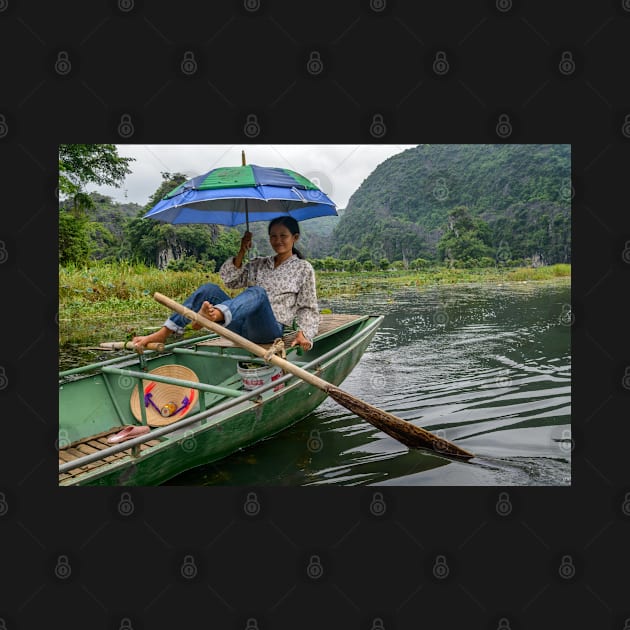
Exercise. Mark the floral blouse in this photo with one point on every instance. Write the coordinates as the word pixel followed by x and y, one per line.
pixel 290 288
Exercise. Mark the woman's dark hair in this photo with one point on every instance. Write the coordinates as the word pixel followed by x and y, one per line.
pixel 292 225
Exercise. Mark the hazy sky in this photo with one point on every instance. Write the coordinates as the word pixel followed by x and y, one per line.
pixel 338 169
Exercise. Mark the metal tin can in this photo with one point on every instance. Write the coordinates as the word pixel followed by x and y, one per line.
pixel 168 409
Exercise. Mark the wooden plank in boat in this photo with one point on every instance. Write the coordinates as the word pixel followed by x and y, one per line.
pixel 66 457
pixel 90 446
pixel 74 452
pixel 86 449
pixel 96 444
pixel 114 429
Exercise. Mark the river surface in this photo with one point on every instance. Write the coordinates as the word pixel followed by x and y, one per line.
pixel 486 366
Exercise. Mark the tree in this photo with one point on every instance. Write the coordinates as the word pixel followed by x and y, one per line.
pixel 82 164
pixel 465 239
pixel 160 244
pixel 74 243
pixel 79 165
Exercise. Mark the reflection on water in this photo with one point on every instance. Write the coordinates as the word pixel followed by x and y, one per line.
pixel 486 367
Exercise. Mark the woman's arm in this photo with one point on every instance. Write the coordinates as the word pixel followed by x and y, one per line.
pixel 246 243
pixel 232 272
pixel 307 314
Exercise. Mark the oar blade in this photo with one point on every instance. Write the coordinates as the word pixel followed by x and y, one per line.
pixel 406 432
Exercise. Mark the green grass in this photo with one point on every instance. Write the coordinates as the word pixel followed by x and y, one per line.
pixel 331 283
pixel 113 302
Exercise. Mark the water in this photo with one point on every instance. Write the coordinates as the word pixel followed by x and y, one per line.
pixel 488 367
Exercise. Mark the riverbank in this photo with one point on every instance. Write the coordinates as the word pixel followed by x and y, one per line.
pixel 113 302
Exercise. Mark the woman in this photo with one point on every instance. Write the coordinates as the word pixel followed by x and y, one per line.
pixel 280 290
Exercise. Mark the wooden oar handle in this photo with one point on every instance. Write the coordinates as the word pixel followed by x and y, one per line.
pixel 129 345
pixel 399 429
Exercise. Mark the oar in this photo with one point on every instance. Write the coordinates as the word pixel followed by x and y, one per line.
pixel 129 345
pixel 405 432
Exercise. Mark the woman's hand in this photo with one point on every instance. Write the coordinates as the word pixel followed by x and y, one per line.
pixel 302 341
pixel 246 242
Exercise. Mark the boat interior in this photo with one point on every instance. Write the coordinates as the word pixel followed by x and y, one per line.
pixel 212 389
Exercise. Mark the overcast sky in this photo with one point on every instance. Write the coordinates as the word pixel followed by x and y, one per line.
pixel 338 169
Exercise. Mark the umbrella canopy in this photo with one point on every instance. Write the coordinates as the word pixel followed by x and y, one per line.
pixel 240 194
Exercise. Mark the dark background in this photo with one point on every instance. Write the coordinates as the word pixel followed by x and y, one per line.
pixel 314 72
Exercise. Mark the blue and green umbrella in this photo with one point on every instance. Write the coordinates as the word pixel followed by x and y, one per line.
pixel 240 194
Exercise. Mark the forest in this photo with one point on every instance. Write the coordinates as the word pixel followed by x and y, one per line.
pixel 459 205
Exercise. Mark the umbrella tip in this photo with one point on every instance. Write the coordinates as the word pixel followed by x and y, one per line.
pixel 243 158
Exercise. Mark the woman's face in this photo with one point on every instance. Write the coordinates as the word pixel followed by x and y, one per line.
pixel 281 239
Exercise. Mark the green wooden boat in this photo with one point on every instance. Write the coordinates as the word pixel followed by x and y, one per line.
pixel 99 400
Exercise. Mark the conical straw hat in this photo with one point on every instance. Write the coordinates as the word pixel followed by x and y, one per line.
pixel 162 393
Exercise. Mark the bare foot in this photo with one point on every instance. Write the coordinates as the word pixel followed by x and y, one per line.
pixel 208 311
pixel 159 336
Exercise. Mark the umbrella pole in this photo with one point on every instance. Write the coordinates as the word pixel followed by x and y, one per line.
pixel 246 257
pixel 244 163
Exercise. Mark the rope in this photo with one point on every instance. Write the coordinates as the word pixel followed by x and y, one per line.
pixel 277 348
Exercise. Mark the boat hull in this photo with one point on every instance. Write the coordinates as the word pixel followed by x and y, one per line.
pixel 218 435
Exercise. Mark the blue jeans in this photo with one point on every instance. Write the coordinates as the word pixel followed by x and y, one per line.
pixel 249 314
